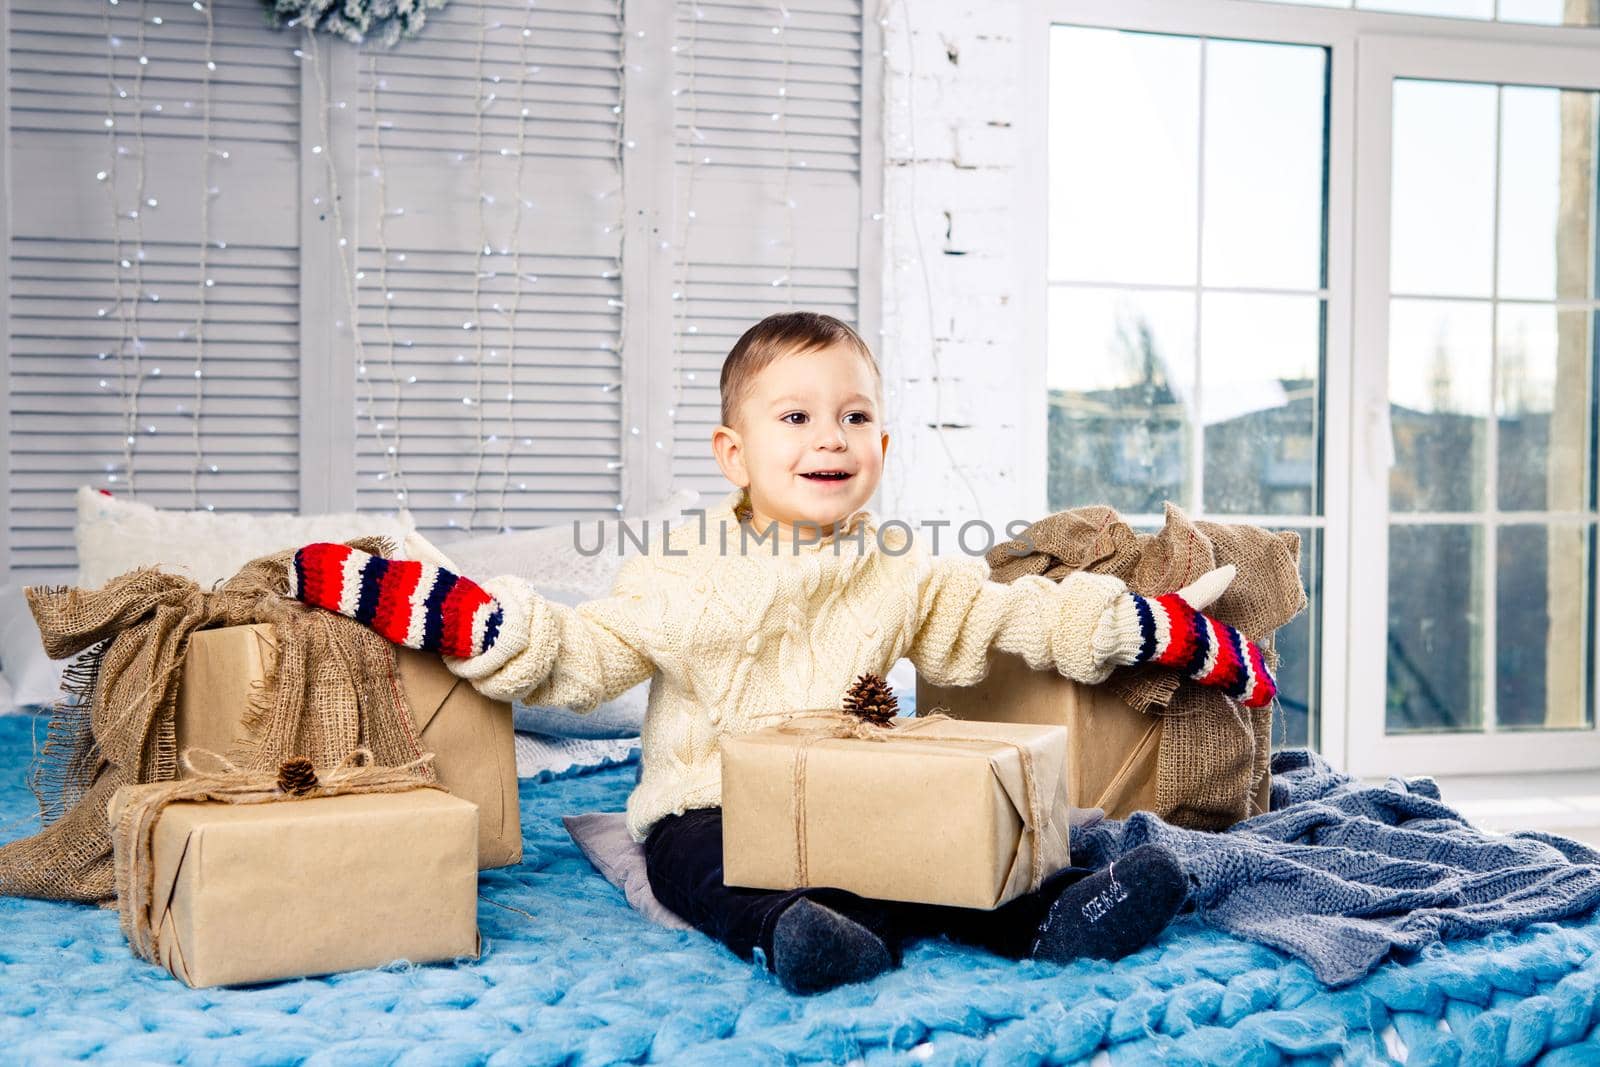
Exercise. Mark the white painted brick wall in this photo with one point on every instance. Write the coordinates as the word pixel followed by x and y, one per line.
pixel 952 89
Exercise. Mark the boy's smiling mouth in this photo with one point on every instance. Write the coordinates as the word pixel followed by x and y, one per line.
pixel 826 476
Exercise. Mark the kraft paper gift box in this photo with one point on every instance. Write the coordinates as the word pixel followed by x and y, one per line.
pixel 1112 750
pixel 245 893
pixel 939 813
pixel 470 735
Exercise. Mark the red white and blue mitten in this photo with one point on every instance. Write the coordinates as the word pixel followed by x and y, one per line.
pixel 406 601
pixel 1169 630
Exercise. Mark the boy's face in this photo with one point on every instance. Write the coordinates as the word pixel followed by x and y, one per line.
pixel 807 440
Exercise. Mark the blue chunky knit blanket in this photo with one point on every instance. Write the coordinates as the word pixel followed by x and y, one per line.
pixel 571 975
pixel 1340 874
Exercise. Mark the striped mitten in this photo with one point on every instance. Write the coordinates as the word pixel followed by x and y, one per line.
pixel 406 601
pixel 1170 630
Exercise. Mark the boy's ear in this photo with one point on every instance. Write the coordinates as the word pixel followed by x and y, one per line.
pixel 886 445
pixel 729 450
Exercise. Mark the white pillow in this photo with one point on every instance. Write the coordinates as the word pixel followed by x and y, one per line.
pixel 34 678
pixel 548 558
pixel 117 535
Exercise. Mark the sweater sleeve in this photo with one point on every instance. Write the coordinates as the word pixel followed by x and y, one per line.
pixel 962 614
pixel 549 654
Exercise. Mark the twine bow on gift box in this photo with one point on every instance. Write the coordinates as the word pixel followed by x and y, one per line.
pixel 829 723
pixel 296 778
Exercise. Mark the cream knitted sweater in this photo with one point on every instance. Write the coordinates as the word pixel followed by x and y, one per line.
pixel 736 640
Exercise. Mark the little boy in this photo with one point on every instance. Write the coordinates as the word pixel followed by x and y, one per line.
pixel 773 602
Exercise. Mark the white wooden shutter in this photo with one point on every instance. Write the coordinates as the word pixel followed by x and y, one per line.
pixel 554 449
pixel 65 425
pixel 748 252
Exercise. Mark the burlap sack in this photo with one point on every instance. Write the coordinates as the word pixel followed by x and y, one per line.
pixel 334 691
pixel 1214 754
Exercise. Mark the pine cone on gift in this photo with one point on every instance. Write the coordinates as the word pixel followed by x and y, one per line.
pixel 297 776
pixel 869 697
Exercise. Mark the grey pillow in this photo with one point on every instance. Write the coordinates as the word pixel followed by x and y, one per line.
pixel 604 840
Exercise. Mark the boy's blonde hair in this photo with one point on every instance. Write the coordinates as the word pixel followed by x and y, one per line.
pixel 780 335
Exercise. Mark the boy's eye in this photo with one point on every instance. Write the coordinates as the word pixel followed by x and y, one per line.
pixel 799 418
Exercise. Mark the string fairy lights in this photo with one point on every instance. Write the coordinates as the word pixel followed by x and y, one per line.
pixel 312 50
pixel 621 213
pixel 618 110
pixel 488 343
pixel 135 342
pixel 782 117
pixel 380 169
pixel 108 179
pixel 203 279
pixel 512 428
pixel 680 292
pixel 482 101
pixel 128 295
pixel 130 340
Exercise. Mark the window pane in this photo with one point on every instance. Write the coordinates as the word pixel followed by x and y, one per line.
pixel 1550 12
pixel 1435 666
pixel 1442 206
pixel 1300 722
pixel 1264 164
pixel 1124 155
pixel 1547 145
pixel 1259 402
pixel 1121 378
pixel 1543 400
pixel 1464 9
pixel 1439 402
pixel 1543 652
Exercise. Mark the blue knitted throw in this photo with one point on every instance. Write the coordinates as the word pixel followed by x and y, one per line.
pixel 1340 874
pixel 571 975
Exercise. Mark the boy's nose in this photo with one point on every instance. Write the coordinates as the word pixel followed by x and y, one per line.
pixel 832 438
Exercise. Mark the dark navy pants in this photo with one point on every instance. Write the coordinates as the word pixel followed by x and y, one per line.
pixel 683 857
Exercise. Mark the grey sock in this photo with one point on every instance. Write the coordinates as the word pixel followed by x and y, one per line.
pixel 1115 911
pixel 815 948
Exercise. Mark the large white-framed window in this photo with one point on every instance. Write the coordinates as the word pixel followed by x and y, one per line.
pixel 1475 303
pixel 1236 424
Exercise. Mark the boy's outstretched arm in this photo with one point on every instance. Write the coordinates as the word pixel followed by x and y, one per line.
pixel 502 636
pixel 1083 627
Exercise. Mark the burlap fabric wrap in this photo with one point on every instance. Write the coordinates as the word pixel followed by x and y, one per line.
pixel 228 784
pixel 823 723
pixel 335 690
pixel 1213 754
